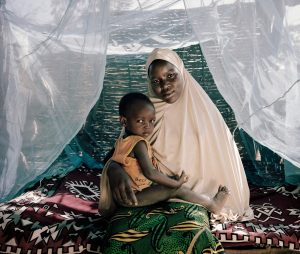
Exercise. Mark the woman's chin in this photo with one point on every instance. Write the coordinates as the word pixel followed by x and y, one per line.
pixel 170 99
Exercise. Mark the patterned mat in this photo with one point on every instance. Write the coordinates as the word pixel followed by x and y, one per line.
pixel 61 216
pixel 276 223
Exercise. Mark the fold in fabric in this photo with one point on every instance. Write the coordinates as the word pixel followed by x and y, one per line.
pixel 191 135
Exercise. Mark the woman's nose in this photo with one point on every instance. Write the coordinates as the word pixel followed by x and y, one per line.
pixel 165 85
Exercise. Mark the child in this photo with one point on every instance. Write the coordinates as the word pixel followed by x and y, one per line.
pixel 134 153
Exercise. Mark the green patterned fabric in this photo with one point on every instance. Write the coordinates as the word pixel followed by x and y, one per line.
pixel 168 227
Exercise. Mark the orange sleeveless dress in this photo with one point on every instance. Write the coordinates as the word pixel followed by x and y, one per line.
pixel 123 148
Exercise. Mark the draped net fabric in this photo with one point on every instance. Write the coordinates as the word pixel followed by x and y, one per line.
pixel 252 49
pixel 53 57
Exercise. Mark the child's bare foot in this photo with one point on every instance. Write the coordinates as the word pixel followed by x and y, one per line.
pixel 219 200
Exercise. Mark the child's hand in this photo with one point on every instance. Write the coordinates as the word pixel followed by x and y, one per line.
pixel 183 178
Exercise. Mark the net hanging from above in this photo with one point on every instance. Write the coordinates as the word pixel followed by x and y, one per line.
pixel 53 56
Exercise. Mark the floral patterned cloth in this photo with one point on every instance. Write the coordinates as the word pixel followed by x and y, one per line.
pixel 167 227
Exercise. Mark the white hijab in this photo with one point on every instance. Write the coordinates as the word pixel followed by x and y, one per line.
pixel 191 135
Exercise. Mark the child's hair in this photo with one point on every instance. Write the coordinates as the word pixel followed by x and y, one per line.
pixel 131 99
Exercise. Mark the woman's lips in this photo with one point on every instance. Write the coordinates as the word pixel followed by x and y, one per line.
pixel 168 95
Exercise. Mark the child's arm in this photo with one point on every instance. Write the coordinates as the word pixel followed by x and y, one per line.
pixel 141 154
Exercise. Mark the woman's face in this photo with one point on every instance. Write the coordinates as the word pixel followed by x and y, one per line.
pixel 166 81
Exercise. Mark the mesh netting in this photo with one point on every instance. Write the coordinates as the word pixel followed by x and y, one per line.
pixel 127 74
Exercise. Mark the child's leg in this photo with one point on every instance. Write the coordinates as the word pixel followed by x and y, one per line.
pixel 153 194
pixel 157 193
pixel 214 204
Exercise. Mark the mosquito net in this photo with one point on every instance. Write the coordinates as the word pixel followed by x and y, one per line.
pixel 53 58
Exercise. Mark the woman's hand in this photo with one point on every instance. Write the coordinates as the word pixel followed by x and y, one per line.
pixel 120 185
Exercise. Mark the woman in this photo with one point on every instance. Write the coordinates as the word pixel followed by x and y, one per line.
pixel 191 135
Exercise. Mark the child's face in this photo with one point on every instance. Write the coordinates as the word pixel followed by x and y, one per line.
pixel 141 120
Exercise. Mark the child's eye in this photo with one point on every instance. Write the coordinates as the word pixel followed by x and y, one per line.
pixel 153 121
pixel 140 121
pixel 170 75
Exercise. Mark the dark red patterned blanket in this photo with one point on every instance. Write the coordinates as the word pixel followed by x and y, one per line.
pixel 276 223
pixel 61 216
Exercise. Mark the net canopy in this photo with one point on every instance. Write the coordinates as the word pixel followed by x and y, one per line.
pixel 53 56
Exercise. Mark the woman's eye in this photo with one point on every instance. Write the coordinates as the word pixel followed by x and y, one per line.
pixel 153 121
pixel 155 82
pixel 171 76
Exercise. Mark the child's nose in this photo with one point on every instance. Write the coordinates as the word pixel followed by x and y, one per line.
pixel 147 125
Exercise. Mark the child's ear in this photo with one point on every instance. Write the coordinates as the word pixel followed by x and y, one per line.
pixel 123 120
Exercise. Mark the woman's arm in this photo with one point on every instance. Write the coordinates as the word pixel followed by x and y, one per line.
pixel 141 154
pixel 120 184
